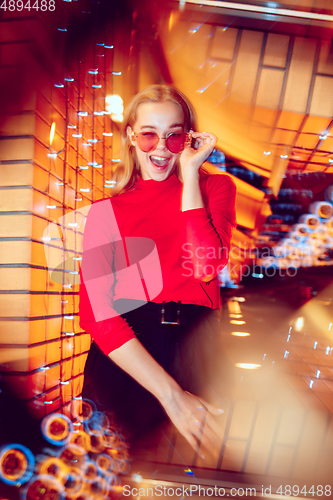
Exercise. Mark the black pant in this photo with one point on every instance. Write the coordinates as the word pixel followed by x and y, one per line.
pixel 189 352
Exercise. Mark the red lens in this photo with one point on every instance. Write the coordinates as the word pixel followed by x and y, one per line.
pixel 175 142
pixel 147 141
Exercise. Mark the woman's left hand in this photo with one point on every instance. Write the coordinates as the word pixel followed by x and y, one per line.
pixel 191 159
pixel 194 419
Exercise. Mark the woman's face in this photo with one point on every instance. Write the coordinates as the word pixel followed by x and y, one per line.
pixel 162 118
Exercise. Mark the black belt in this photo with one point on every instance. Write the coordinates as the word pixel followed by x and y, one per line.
pixel 165 313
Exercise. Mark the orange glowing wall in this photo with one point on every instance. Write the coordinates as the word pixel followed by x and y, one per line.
pixel 43 349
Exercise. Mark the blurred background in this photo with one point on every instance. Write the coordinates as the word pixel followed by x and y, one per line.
pixel 260 75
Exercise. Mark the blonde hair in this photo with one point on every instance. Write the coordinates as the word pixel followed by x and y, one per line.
pixel 128 170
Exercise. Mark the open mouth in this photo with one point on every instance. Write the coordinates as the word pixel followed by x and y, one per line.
pixel 159 161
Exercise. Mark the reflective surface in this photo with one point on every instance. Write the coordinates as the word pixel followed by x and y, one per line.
pixel 277 426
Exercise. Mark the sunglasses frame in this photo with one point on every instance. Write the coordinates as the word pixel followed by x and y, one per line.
pixel 187 141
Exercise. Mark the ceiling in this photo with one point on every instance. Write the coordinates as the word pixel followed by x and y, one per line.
pixel 262 82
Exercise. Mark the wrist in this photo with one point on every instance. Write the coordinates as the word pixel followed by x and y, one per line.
pixel 191 177
pixel 167 392
pixel 191 197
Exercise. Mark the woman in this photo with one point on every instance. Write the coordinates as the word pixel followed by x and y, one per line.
pixel 154 357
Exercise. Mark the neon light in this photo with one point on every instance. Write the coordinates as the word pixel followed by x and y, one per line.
pixel 264 10
pixel 248 366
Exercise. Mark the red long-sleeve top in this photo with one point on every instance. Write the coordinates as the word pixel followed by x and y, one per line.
pixel 140 245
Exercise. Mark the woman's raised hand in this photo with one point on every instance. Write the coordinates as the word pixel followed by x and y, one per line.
pixel 191 159
pixel 193 417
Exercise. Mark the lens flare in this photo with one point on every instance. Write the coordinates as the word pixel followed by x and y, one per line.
pixel 83 409
pixel 43 487
pixel 16 464
pixel 57 429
